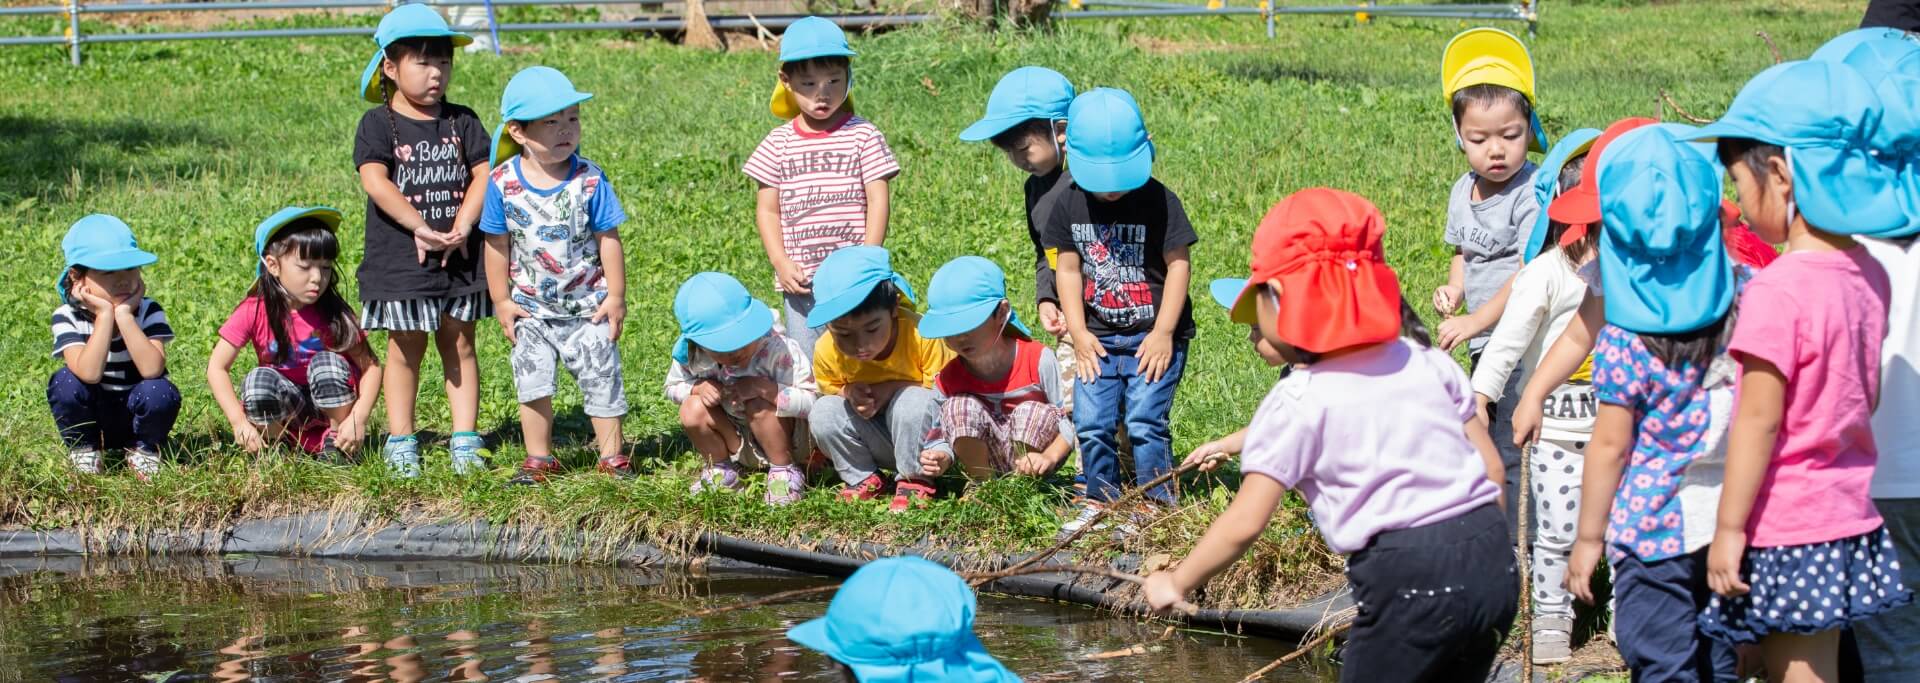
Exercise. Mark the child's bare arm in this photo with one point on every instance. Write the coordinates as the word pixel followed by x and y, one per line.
pixel 370 371
pixel 220 384
pixel 1087 350
pixel 470 207
pixel 498 288
pixel 387 197
pixel 1489 455
pixel 1156 351
pixel 1226 540
pixel 1606 463
pixel 879 197
pixel 766 218
pixel 1756 426
pixel 613 264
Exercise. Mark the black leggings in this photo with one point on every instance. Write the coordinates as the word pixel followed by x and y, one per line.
pixel 1435 602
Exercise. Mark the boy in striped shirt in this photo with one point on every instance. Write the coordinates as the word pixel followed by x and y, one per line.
pixel 112 390
pixel 823 177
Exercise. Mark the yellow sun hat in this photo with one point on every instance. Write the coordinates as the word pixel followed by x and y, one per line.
pixel 1490 56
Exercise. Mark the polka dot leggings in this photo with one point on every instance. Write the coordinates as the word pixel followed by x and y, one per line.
pixel 1555 473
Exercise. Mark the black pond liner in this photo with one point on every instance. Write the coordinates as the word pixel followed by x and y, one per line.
pixel 327 536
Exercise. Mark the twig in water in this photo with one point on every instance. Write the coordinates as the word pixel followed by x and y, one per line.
pixel 1305 648
pixel 1668 99
pixel 1036 558
pixel 1131 650
pixel 978 578
pixel 768 600
pixel 1775 49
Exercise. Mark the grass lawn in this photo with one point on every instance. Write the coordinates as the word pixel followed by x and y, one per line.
pixel 194 142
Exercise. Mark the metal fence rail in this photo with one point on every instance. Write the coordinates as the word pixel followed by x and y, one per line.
pixel 1522 11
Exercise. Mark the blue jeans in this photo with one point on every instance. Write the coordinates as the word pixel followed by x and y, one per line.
pixel 1655 605
pixel 90 415
pixel 1886 640
pixel 1098 407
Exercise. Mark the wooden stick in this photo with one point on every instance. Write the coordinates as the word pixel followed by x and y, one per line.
pixel 1104 511
pixel 1305 648
pixel 1526 565
pixel 1668 99
pixel 1775 49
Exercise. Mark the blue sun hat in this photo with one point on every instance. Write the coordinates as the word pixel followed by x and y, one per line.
pixel 845 279
pixel 716 312
pixel 1663 265
pixel 902 619
pixel 1546 182
pixel 535 93
pixel 1825 115
pixel 1889 59
pixel 963 295
pixel 1107 143
pixel 1026 93
pixel 1226 291
pixel 809 38
pixel 264 232
pixel 100 242
pixel 405 21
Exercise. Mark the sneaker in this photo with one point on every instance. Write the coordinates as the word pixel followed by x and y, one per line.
pixel 616 466
pixel 722 477
pixel 84 459
pixel 870 488
pixel 402 454
pixel 1552 640
pixel 1080 521
pixel 465 447
pixel 785 484
pixel 818 462
pixel 145 463
pixel 329 453
pixel 534 470
pixel 910 493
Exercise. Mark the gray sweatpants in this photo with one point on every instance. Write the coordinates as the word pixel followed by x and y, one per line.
pixel 861 447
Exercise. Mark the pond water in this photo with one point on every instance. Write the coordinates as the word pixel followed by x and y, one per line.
pixel 272 619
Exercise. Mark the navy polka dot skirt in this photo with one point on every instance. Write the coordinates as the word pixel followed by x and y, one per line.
pixel 1809 588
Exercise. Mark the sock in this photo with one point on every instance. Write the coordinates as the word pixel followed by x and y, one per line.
pixel 461 434
pixel 400 438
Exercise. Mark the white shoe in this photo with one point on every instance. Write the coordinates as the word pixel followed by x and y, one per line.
pixel 84 459
pixel 1080 521
pixel 145 463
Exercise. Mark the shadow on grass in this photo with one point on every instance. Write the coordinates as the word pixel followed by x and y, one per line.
pixel 47 153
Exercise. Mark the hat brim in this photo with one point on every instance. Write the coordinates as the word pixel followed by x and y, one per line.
pixel 119 260
pixel 755 324
pixel 328 216
pixel 940 324
pixel 1120 175
pixel 1481 47
pixel 827 310
pixel 816 53
pixel 986 128
pixel 812 635
pixel 1226 291
pixel 1578 206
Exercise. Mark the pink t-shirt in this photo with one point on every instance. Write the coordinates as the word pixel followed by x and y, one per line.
pixel 822 179
pixel 1819 317
pixel 1374 440
pixel 306 331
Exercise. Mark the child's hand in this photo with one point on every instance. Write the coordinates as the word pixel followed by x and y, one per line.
pixel 350 433
pixel 509 315
pixel 125 308
pixel 1480 407
pixel 1456 330
pixel 1162 596
pixel 95 300
pixel 707 392
pixel 1154 356
pixel 862 398
pixel 1446 299
pixel 1087 353
pixel 612 311
pixel 1580 564
pixel 1723 563
pixel 791 280
pixel 247 437
pixel 426 240
pixel 1210 455
pixel 747 389
pixel 1052 320
pixel 1036 464
pixel 1526 422
pixel 933 462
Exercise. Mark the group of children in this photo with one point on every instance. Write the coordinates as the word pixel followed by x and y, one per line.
pixel 1721 456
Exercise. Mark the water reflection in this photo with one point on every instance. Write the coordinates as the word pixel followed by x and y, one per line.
pixel 238 619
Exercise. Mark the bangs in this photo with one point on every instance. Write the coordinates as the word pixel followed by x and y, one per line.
pixel 436 47
pixel 307 237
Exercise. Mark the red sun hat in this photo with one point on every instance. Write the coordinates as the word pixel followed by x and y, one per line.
pixel 1323 246
pixel 1579 207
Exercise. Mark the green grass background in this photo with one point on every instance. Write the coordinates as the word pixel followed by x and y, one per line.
pixel 193 142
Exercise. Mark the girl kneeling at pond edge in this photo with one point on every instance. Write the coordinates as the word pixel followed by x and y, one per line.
pixel 1381 437
pixel 317 379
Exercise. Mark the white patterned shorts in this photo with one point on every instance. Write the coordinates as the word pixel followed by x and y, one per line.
pixel 586 349
pixel 423 314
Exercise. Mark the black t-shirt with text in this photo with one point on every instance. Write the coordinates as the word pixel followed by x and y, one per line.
pixel 432 163
pixel 1123 254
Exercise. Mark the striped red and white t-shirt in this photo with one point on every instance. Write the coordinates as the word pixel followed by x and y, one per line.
pixel 822 179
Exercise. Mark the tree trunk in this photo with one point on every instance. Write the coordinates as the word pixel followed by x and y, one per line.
pixel 699 33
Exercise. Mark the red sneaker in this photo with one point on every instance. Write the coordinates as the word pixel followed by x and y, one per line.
pixel 617 467
pixel 870 488
pixel 534 471
pixel 818 462
pixel 909 493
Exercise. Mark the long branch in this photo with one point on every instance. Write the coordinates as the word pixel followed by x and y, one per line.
pixel 1304 648
pixel 1108 509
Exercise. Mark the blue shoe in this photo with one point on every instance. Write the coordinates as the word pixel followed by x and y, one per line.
pixel 402 454
pixel 466 453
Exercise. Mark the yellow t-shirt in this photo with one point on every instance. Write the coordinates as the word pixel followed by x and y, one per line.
pixel 912 359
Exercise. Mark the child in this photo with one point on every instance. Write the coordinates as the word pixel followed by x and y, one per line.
pixel 1000 399
pixel 555 267
pixel 1027 119
pixel 902 619
pixel 823 178
pixel 1800 552
pixel 1379 434
pixel 1488 81
pixel 112 390
pixel 1123 242
pixel 317 379
pixel 875 373
pixel 1544 296
pixel 423 165
pixel 1891 61
pixel 742 386
pixel 1664 384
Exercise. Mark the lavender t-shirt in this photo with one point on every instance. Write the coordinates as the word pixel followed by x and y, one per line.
pixel 1374 441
